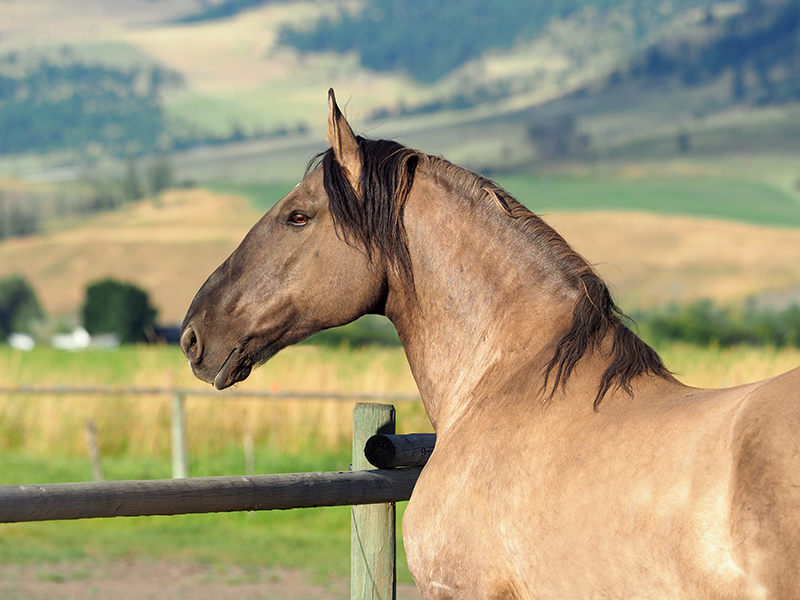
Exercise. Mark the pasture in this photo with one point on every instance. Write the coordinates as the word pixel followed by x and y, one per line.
pixel 43 442
pixel 698 196
pixel 136 428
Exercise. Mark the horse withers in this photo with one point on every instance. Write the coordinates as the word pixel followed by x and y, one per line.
pixel 569 462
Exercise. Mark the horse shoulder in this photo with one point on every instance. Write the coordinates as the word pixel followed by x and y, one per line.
pixel 766 486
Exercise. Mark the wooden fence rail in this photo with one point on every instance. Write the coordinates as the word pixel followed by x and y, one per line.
pixel 371 493
pixel 57 501
pixel 231 394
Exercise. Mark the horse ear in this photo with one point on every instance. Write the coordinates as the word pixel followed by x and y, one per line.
pixel 344 143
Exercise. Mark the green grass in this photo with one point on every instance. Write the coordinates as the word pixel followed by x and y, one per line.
pixel 746 201
pixel 115 367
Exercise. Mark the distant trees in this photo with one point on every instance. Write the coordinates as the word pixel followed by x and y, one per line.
pixel 19 307
pixel 757 48
pixel 160 174
pixel 17 217
pixel 702 323
pixel 221 10
pixel 117 307
pixel 51 103
pixel 424 38
pixel 428 39
pixel 558 138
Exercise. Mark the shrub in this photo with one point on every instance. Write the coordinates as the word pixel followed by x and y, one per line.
pixel 702 323
pixel 117 307
pixel 19 307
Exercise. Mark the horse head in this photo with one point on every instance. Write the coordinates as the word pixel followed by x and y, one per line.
pixel 294 274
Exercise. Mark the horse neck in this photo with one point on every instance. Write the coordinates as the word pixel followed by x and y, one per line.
pixel 485 303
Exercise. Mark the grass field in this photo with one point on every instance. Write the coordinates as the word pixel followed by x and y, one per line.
pixel 42 441
pixel 707 197
pixel 139 425
pixel 315 540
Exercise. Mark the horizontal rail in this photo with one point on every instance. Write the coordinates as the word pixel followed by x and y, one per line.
pixel 410 450
pixel 119 391
pixel 56 501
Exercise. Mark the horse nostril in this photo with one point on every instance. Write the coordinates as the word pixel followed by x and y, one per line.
pixel 191 345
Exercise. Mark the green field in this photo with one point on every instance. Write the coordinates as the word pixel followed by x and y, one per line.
pixel 315 540
pixel 715 197
pixel 261 196
pixel 722 197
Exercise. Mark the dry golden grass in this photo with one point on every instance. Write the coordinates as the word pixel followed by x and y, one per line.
pixel 650 260
pixel 727 367
pixel 140 425
pixel 169 249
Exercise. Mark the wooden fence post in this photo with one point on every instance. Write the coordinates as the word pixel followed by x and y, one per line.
pixel 180 467
pixel 249 451
pixel 373 571
pixel 94 451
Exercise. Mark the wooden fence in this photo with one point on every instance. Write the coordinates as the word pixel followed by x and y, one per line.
pixel 372 493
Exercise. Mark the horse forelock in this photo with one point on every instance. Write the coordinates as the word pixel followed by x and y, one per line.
pixel 376 221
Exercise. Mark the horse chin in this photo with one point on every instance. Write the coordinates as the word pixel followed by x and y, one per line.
pixel 237 368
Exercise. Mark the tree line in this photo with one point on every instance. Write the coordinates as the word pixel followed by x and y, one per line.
pixel 428 39
pixel 703 323
pixel 110 306
pixel 758 48
pixel 26 210
pixel 50 103
pixel 124 309
pixel 54 102
pixel 221 10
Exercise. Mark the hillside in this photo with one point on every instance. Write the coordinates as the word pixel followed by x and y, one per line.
pixel 242 73
pixel 171 247
pixel 618 72
pixel 167 248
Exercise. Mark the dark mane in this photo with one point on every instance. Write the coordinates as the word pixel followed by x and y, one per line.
pixel 376 220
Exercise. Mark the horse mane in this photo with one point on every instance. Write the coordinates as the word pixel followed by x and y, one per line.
pixel 376 220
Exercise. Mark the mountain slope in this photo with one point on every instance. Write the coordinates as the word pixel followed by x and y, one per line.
pixel 169 248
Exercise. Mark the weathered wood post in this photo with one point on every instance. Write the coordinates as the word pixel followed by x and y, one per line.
pixel 94 451
pixel 249 451
pixel 180 461
pixel 373 543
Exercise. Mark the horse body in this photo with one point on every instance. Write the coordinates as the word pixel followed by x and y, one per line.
pixel 569 463
pixel 652 497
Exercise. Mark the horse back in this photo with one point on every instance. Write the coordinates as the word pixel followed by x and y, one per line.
pixel 766 486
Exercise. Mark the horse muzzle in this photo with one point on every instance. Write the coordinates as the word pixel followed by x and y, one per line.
pixel 222 374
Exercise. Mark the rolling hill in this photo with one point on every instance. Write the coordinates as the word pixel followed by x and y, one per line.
pixel 170 247
pixel 586 72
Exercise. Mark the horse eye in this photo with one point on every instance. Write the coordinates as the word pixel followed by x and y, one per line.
pixel 298 218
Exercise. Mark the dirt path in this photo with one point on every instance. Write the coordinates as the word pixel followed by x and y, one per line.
pixel 142 580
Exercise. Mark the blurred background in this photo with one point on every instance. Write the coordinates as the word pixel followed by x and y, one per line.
pixel 140 140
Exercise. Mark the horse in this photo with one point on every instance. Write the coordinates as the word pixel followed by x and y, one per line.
pixel 569 461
